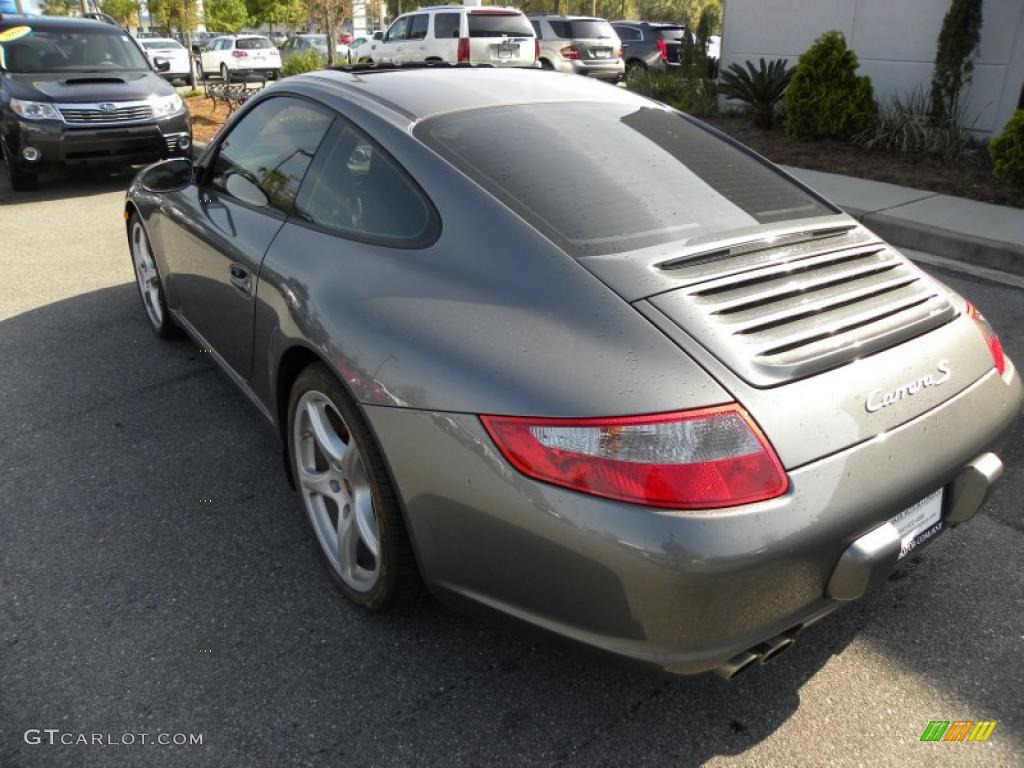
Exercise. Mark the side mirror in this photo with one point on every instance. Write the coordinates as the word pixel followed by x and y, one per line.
pixel 167 176
pixel 161 65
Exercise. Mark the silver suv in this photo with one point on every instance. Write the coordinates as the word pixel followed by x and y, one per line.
pixel 581 45
pixel 488 35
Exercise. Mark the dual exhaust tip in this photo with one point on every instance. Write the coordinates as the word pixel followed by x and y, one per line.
pixel 762 653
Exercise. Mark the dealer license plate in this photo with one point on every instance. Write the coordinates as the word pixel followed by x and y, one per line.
pixel 919 523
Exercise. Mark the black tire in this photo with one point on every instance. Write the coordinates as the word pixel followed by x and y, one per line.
pixel 21 180
pixel 225 74
pixel 634 65
pixel 545 64
pixel 398 584
pixel 165 328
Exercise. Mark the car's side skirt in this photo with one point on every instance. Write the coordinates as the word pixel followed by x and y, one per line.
pixel 241 383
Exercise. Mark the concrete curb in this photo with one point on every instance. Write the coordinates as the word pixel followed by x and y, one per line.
pixel 967 231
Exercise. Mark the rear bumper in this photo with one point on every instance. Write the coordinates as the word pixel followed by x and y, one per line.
pixel 60 144
pixel 603 70
pixel 687 591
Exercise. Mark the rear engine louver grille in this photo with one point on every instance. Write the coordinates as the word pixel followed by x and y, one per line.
pixel 779 314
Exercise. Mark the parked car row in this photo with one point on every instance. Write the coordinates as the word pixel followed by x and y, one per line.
pixel 500 36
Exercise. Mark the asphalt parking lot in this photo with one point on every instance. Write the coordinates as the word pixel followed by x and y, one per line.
pixel 155 577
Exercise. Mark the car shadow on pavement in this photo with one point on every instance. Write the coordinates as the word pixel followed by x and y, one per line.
pixel 157 575
pixel 64 184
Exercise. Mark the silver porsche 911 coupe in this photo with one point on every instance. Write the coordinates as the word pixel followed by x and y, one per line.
pixel 556 349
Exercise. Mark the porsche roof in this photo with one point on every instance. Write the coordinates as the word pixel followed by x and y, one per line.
pixel 423 92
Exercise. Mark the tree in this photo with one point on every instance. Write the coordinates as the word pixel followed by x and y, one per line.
pixel 958 40
pixel 289 13
pixel 228 16
pixel 60 7
pixel 124 12
pixel 328 15
pixel 174 14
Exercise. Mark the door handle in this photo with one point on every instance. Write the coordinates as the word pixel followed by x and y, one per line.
pixel 240 279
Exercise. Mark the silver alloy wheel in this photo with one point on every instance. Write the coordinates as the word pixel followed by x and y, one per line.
pixel 146 275
pixel 335 488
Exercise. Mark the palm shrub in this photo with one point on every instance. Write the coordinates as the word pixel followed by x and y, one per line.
pixel 306 61
pixel 905 124
pixel 826 98
pixel 1007 151
pixel 759 88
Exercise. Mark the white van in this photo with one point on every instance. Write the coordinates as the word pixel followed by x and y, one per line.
pixel 459 34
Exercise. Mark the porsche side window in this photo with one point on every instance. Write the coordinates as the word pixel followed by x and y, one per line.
pixel 356 190
pixel 263 159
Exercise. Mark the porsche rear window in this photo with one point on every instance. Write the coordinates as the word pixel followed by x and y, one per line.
pixel 606 178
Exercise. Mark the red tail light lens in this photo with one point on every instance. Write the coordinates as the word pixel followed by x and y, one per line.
pixel 619 54
pixel 569 52
pixel 536 48
pixel 462 52
pixel 663 49
pixel 995 346
pixel 238 54
pixel 708 458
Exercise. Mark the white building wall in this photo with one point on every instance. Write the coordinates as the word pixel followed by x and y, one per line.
pixel 895 41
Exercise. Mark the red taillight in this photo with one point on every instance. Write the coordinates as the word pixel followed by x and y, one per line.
pixel 462 52
pixel 569 52
pixel 536 48
pixel 619 54
pixel 701 459
pixel 238 54
pixel 995 346
pixel 663 49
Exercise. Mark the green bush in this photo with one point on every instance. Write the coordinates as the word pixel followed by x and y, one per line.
pixel 958 40
pixel 760 89
pixel 826 98
pixel 695 95
pixel 1007 151
pixel 306 61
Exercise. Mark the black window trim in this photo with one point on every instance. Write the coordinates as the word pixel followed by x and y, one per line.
pixel 204 178
pixel 434 227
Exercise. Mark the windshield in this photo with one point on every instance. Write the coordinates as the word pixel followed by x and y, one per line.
pixel 499 25
pixel 580 29
pixel 80 51
pixel 252 43
pixel 606 178
pixel 159 45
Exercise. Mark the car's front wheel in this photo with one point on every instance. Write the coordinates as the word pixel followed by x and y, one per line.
pixel 147 278
pixel 348 497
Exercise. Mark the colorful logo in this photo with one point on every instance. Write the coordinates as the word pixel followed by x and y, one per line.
pixel 958 730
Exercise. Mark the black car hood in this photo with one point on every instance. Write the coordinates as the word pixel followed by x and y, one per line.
pixel 88 86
